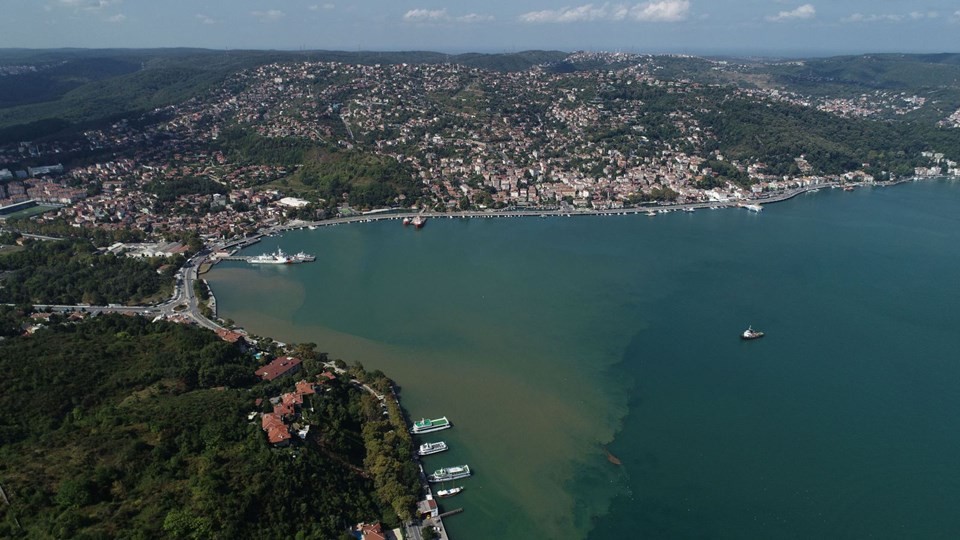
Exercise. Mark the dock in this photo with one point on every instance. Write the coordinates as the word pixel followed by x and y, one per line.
pixel 450 513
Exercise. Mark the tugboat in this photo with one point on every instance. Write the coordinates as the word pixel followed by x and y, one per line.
pixel 750 333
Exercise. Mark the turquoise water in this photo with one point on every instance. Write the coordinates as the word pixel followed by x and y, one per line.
pixel 545 340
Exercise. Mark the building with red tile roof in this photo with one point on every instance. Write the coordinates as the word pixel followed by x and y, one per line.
pixel 278 434
pixel 372 532
pixel 285 365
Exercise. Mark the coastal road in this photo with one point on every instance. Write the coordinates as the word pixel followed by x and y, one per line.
pixel 183 303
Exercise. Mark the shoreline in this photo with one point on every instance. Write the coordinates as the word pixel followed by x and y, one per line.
pixel 399 213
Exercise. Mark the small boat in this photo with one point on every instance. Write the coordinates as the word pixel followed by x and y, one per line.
pixel 406 221
pixel 750 333
pixel 449 492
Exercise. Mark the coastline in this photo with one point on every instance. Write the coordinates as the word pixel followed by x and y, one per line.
pixel 399 213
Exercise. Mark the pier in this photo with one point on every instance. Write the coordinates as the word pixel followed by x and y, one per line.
pixel 450 513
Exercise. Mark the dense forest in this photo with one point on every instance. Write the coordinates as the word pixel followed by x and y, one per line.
pixel 119 427
pixel 73 272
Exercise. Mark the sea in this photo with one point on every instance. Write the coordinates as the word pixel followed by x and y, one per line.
pixel 593 368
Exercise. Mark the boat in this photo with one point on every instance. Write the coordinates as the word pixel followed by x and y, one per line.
pixel 425 425
pixel 753 207
pixel 304 257
pixel 406 221
pixel 750 333
pixel 449 473
pixel 419 222
pixel 431 448
pixel 272 258
pixel 848 188
pixel 449 492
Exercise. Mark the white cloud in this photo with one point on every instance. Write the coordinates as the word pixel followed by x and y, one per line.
pixel 425 15
pixel 118 18
pixel 474 18
pixel 890 17
pixel 88 5
pixel 662 11
pixel 435 16
pixel 806 11
pixel 269 15
pixel 205 19
pixel 668 11
pixel 322 7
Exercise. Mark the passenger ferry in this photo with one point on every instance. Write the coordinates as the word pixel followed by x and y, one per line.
pixel 425 425
pixel 449 473
pixel 431 448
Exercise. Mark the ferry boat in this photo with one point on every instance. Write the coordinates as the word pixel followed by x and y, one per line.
pixel 750 333
pixel 272 258
pixel 449 492
pixel 431 448
pixel 419 222
pixel 449 473
pixel 406 221
pixel 425 425
pixel 304 257
pixel 753 207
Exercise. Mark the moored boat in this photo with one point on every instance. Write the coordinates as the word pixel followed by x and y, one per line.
pixel 449 473
pixel 431 448
pixel 272 258
pixel 449 492
pixel 426 425
pixel 419 222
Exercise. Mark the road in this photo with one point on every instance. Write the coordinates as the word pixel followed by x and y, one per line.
pixel 183 298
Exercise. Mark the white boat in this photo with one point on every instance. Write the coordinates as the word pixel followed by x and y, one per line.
pixel 272 258
pixel 449 473
pixel 753 207
pixel 449 492
pixel 750 333
pixel 426 425
pixel 431 448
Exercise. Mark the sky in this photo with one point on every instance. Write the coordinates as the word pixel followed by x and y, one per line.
pixel 759 27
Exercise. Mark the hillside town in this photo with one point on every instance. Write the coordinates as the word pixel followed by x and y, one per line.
pixel 472 139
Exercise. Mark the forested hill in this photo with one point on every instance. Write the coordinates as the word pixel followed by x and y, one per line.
pixel 122 428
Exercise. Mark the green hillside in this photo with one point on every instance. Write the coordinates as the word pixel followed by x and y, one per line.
pixel 122 428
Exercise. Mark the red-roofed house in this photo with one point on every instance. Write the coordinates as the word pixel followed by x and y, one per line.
pixel 277 432
pixel 372 532
pixel 285 365
pixel 305 389
pixel 229 335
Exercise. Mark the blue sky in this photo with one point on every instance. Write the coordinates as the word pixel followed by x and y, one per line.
pixel 683 26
